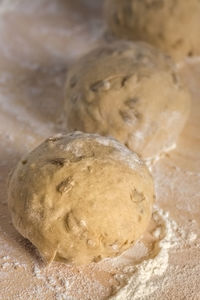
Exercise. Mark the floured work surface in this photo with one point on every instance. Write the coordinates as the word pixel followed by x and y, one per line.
pixel 38 41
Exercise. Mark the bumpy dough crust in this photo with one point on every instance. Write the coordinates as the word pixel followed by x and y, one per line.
pixel 171 25
pixel 80 198
pixel 129 91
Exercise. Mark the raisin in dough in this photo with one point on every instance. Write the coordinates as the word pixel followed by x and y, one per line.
pixel 171 25
pixel 80 198
pixel 129 91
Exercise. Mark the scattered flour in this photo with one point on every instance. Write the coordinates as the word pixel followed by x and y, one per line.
pixel 7 263
pixel 153 160
pixel 136 281
pixel 140 284
pixel 124 154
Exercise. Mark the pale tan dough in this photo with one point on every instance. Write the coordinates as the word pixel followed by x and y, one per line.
pixel 171 25
pixel 129 91
pixel 80 198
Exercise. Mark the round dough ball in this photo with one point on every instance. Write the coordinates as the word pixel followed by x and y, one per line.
pixel 80 198
pixel 129 91
pixel 172 26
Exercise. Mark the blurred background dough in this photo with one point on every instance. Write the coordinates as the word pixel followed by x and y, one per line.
pixel 128 90
pixel 172 26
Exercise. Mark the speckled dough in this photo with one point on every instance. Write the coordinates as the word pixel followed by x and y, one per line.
pixel 81 197
pixel 171 25
pixel 129 91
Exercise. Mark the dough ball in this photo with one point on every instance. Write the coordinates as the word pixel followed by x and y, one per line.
pixel 129 91
pixel 172 26
pixel 80 198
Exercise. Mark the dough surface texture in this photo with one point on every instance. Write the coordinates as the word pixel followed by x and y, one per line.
pixel 172 26
pixel 129 91
pixel 80 198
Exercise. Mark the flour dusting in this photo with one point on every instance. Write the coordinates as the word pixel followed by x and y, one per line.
pixel 140 284
pixel 38 41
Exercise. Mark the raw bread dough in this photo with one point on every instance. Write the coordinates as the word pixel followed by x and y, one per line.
pixel 81 197
pixel 171 25
pixel 129 91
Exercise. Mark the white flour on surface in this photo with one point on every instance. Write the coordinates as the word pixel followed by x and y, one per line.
pixel 140 285
pixel 137 279
pixel 153 160
pixel 38 41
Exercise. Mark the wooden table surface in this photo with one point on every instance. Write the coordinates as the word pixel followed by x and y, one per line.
pixel 38 42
